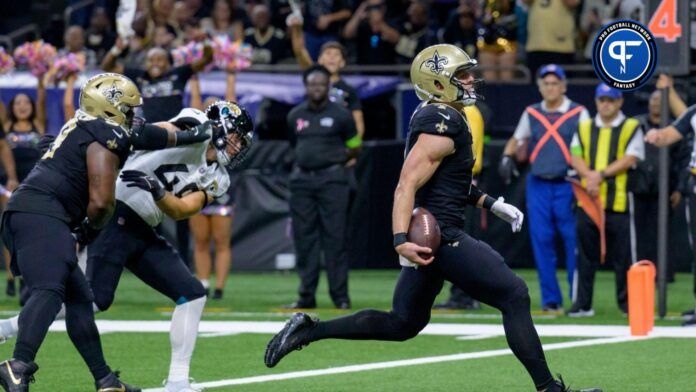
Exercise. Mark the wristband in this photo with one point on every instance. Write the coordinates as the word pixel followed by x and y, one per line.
pixel 488 202
pixel 400 238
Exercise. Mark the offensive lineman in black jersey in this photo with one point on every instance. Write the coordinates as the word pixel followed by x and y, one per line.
pixel 69 195
pixel 437 175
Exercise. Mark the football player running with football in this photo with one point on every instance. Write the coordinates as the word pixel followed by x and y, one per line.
pixel 67 197
pixel 437 175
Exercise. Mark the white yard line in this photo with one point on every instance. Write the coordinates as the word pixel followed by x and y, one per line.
pixel 399 363
pixel 444 329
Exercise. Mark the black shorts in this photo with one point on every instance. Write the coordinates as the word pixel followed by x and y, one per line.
pixel 42 250
pixel 128 241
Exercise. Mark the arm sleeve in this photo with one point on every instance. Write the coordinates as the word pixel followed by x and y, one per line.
pixel 151 137
pixel 686 122
pixel 523 131
pixel 636 146
pixel 475 194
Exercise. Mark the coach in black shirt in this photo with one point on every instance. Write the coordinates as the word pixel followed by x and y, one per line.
pixel 325 138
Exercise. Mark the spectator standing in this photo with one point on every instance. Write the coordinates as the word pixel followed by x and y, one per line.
pixel 332 55
pixel 413 35
pixel 324 136
pixel 460 30
pixel 100 36
pixel 367 27
pixel 323 22
pixel 551 32
pixel 497 40
pixel 548 128
pixel 270 44
pixel 74 40
pixel 603 150
pixel 225 20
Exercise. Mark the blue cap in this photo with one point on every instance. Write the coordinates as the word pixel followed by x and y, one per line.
pixel 605 91
pixel 552 69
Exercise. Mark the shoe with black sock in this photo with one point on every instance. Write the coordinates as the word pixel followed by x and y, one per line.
pixel 217 294
pixel 15 375
pixel 11 291
pixel 290 338
pixel 559 386
pixel 111 383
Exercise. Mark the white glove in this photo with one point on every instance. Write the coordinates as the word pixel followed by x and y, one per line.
pixel 508 213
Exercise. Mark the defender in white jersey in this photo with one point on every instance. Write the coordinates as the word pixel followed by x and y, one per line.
pixel 179 183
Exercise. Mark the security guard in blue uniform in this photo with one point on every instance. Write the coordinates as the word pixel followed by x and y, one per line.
pixel 549 127
pixel 325 138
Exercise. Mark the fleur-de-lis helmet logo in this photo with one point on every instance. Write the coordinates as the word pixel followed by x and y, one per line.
pixel 113 94
pixel 436 63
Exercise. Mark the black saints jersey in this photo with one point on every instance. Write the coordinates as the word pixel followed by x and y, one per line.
pixel 58 184
pixel 450 188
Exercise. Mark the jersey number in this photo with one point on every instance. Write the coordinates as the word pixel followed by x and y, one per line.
pixel 663 23
pixel 169 185
pixel 64 132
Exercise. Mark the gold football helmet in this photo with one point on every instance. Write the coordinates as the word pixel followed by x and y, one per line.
pixel 110 96
pixel 433 75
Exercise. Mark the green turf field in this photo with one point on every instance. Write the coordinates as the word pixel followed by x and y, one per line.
pixel 616 364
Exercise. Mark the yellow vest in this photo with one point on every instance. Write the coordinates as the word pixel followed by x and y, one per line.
pixel 602 146
pixel 550 27
pixel 475 120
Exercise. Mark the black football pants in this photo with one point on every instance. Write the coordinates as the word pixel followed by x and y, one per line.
pixel 43 252
pixel 471 265
pixel 319 209
pixel 128 241
pixel 618 241
pixel 691 219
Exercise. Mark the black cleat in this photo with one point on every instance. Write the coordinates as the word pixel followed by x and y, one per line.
pixel 217 294
pixel 291 337
pixel 16 375
pixel 111 383
pixel 559 386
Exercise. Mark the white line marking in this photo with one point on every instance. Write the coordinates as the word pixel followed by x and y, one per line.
pixel 442 329
pixel 399 363
pixel 476 337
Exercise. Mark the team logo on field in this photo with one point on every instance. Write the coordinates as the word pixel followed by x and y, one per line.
pixel 436 63
pixel 113 94
pixel 624 54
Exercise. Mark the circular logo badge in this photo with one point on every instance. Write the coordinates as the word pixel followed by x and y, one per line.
pixel 624 54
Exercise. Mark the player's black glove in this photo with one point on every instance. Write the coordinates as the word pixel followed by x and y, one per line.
pixel 196 134
pixel 45 143
pixel 85 233
pixel 507 169
pixel 138 179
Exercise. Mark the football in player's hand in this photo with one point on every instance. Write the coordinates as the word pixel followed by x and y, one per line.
pixel 424 230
